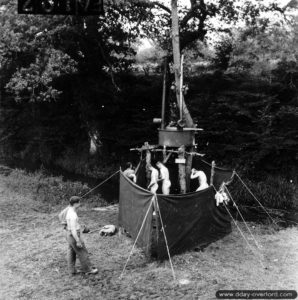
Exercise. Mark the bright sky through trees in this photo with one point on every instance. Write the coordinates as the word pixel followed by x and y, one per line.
pixel 146 43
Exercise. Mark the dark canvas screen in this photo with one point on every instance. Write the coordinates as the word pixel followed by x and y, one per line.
pixel 191 220
pixel 134 202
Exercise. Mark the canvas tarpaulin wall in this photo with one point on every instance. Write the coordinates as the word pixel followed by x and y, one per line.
pixel 134 203
pixel 141 174
pixel 190 220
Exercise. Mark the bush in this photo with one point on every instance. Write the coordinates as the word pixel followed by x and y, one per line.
pixel 49 189
pixel 273 192
pixel 80 162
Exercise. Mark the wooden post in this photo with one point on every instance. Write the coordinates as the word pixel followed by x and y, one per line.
pixel 181 168
pixel 184 112
pixel 212 172
pixel 177 71
pixel 148 161
pixel 177 64
pixel 164 153
pixel 181 90
pixel 164 89
pixel 188 168
pixel 176 48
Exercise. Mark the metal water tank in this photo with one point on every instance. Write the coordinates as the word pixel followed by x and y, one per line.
pixel 172 137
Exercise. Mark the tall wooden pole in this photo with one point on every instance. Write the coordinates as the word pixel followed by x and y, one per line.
pixel 177 71
pixel 176 57
pixel 148 161
pixel 181 89
pixel 164 89
pixel 176 48
pixel 181 169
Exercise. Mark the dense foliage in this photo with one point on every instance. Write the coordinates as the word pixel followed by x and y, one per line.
pixel 66 78
pixel 49 191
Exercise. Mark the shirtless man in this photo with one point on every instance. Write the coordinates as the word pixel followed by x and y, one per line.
pixel 201 177
pixel 153 185
pixel 130 173
pixel 164 178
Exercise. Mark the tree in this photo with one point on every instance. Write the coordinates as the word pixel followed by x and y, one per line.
pixel 74 65
pixel 96 45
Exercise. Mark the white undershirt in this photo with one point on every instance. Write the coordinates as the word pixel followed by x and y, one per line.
pixel 72 220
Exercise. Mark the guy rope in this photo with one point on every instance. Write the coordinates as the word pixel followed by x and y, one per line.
pixel 90 191
pixel 248 189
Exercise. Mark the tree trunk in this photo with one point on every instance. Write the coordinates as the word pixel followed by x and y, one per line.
pixel 176 48
pixel 184 169
pixel 176 58
pixel 177 71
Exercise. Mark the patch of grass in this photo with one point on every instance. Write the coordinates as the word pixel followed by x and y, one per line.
pixel 273 192
pixel 49 190
pixel 33 259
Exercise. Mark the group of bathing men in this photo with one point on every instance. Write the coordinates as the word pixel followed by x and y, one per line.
pixel 164 178
pixel 73 229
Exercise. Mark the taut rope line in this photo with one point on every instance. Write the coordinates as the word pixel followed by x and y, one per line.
pixel 99 184
pixel 255 198
pixel 168 250
pixel 136 239
pixel 251 248
pixel 257 244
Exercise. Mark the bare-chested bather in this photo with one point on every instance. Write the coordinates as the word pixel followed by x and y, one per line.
pixel 164 178
pixel 153 185
pixel 201 177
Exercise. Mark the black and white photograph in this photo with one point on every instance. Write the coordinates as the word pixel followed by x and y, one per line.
pixel 148 149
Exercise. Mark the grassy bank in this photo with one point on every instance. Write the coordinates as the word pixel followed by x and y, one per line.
pixel 33 260
pixel 50 191
pixel 272 191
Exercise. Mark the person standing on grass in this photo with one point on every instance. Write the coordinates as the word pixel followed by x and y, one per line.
pixel 76 246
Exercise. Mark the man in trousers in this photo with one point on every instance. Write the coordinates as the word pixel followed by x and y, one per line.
pixel 76 246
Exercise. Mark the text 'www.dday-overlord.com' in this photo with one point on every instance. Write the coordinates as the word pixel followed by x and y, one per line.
pixel 256 294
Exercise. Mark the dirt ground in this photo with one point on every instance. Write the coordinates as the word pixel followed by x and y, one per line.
pixel 33 262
